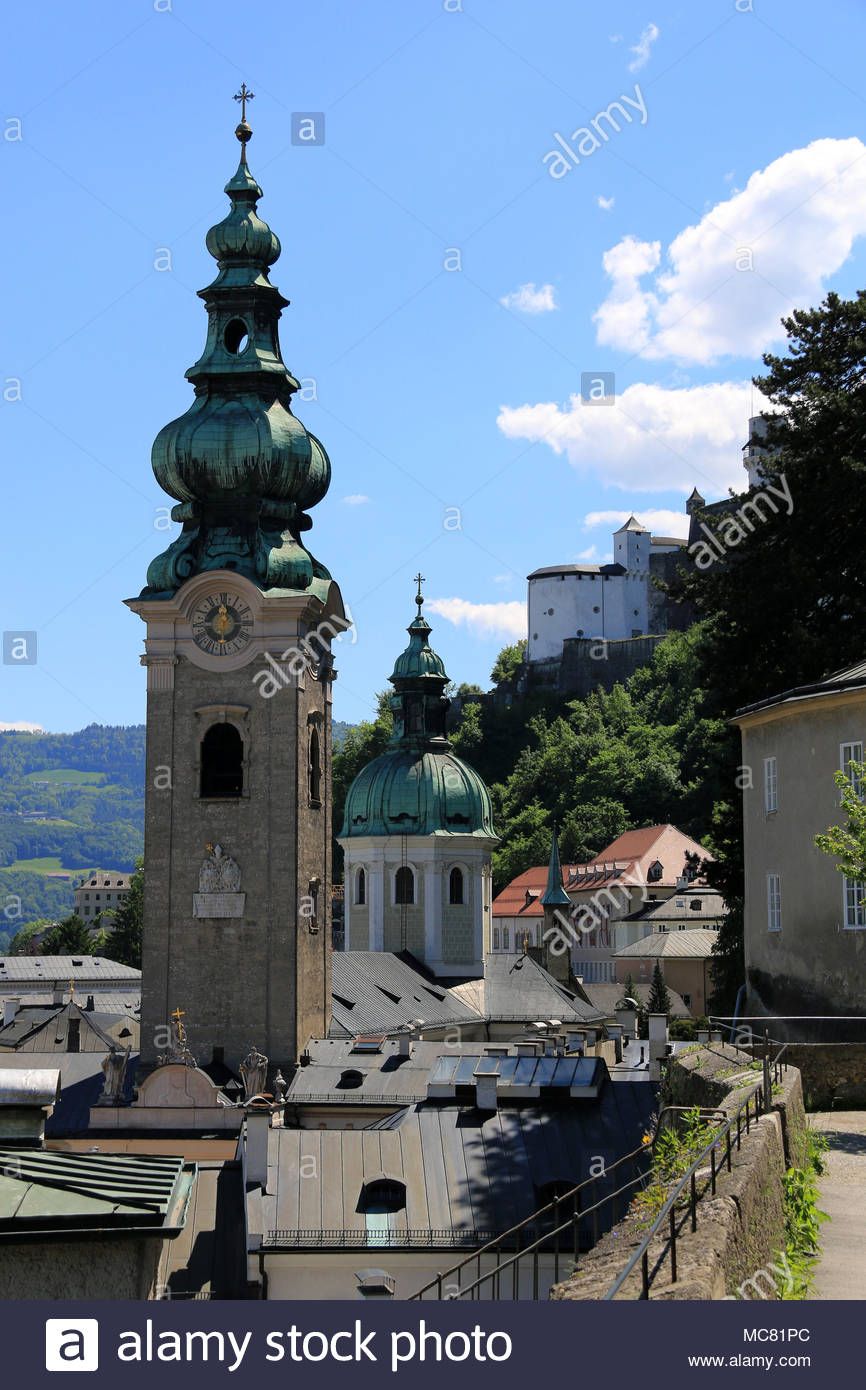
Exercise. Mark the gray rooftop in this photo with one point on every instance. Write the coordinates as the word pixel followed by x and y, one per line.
pixel 62 969
pixel 468 1174
pixel 381 992
pixel 515 988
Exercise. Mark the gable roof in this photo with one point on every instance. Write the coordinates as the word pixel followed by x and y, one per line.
pixel 62 969
pixel 382 992
pixel 851 678
pixel 46 1192
pixel 516 988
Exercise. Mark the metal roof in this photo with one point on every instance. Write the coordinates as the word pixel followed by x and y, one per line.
pixel 43 1191
pixel 81 1082
pixel 64 968
pixel 46 1028
pixel 851 678
pixel 381 992
pixel 687 945
pixel 466 1172
pixel 517 989
pixel 37 1086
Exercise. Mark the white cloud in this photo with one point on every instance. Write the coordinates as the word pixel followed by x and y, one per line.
pixel 605 203
pixel 652 438
pixel 588 555
pixel 794 223
pixel 660 520
pixel 643 48
pixel 531 299
pixel 503 578
pixel 482 619
pixel 356 499
pixel 21 727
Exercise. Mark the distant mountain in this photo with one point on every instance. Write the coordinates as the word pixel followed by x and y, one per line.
pixel 339 732
pixel 68 803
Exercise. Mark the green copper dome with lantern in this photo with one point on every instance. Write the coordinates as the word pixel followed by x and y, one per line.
pixel 418 786
pixel 242 468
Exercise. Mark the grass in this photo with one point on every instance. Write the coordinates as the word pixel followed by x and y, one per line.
pixel 48 865
pixel 803 1217
pixel 72 775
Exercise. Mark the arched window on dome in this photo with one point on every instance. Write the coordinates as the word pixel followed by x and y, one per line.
pixel 315 766
pixel 361 888
pixel 456 887
pixel 222 762
pixel 404 886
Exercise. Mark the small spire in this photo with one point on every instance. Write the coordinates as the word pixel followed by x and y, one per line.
pixel 244 131
pixel 419 597
pixel 554 894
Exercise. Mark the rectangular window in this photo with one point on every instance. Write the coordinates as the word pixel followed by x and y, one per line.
pixel 506 938
pixel 774 902
pixel 771 785
pixel 855 912
pixel 848 753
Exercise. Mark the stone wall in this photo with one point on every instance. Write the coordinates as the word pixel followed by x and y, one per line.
pixel 741 1230
pixel 834 1075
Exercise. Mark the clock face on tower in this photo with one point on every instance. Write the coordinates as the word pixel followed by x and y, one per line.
pixel 222 624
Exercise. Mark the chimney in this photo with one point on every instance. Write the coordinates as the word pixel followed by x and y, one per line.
pixel 614 1033
pixel 486 1091
pixel 528 1048
pixel 404 1045
pixel 627 1021
pixel 91 1004
pixel 258 1126
pixel 10 1009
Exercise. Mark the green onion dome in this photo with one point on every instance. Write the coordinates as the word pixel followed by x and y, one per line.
pixel 242 467
pixel 418 786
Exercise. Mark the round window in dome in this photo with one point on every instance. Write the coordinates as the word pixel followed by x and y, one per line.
pixel 236 337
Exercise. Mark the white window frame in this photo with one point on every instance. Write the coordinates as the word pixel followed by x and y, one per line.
pixel 771 785
pixel 774 902
pixel 853 912
pixel 851 753
pixel 506 938
pixel 496 939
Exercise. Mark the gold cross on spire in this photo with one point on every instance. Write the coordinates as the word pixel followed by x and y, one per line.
pixel 179 1014
pixel 243 96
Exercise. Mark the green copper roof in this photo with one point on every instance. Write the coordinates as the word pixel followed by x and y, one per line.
pixel 554 894
pixel 408 793
pixel 418 786
pixel 240 465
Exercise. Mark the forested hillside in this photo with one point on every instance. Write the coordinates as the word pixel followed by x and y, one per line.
pixel 68 803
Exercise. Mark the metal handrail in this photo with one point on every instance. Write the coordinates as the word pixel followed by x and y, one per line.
pixel 667 1212
pixel 495 1245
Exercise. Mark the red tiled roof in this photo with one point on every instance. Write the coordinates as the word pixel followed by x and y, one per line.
pixel 626 859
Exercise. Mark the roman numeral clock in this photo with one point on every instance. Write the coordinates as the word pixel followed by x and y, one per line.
pixel 238 815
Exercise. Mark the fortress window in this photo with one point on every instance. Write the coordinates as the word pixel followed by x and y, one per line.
pixel 455 887
pixel 404 886
pixel 222 762
pixel 361 887
pixel 315 767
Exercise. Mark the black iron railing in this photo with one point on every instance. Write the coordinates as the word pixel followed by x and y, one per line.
pixel 420 1237
pixel 682 1203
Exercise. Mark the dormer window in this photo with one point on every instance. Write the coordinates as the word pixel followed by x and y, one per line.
pixel 654 872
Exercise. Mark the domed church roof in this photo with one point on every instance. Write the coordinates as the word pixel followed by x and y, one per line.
pixel 418 786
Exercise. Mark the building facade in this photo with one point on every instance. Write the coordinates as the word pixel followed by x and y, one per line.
pixel 804 922
pixel 240 618
pixel 418 832
pixel 102 892
pixel 609 602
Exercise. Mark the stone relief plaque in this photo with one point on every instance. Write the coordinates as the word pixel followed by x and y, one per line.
pixel 219 882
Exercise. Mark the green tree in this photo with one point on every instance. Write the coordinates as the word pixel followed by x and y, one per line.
pixel 847 843
pixel 71 937
pixel 659 1001
pixel 508 663
pixel 363 742
pixel 124 943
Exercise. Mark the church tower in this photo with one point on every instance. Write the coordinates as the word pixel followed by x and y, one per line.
pixel 240 619
pixel 418 832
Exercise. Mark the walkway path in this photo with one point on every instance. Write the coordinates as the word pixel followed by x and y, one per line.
pixel 841 1268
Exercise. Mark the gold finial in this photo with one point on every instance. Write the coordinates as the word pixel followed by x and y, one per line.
pixel 244 130
pixel 419 597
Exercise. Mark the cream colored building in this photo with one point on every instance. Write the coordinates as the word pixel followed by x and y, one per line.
pixel 805 927
pixel 101 892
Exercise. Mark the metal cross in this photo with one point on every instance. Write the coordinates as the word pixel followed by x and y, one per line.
pixel 419 597
pixel 243 96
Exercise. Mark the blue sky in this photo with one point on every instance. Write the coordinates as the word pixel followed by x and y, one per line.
pixel 734 189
